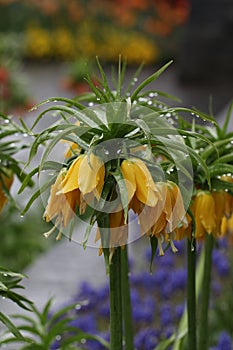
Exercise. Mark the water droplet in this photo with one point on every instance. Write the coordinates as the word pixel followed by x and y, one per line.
pixel 149 103
pixel 5 274
pixel 6 121
pixel 78 307
pixel 135 79
pixel 90 104
pixel 25 135
pixel 21 216
pixel 58 337
pixel 83 341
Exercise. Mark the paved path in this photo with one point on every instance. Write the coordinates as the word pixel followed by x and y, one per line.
pixel 59 271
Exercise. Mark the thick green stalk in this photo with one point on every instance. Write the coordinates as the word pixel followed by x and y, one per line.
pixel 191 295
pixel 115 301
pixel 205 294
pixel 126 301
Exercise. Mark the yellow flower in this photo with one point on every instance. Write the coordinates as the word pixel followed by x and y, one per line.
pixel 227 227
pixel 184 230
pixel 61 206
pixel 6 181
pixel 203 209
pixel 87 174
pixel 82 182
pixel 172 213
pixel 74 149
pixel 139 182
pixel 220 209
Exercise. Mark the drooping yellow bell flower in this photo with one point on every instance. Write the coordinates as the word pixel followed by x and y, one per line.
pixel 139 182
pixel 61 206
pixel 86 174
pixel 172 213
pixel 203 209
pixel 6 181
pixel 228 197
pixel 220 210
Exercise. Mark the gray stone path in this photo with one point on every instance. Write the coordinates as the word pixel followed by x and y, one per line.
pixel 59 271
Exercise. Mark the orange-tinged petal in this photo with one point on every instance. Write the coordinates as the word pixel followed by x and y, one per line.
pixel 68 211
pixel 204 213
pixel 91 174
pixel 146 190
pixel 118 230
pixel 70 181
pixel 7 180
pixel 219 200
pixel 127 170
pixel 56 201
pixel 178 211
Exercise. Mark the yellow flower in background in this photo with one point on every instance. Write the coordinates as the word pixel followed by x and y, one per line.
pixel 63 43
pixel 203 209
pixel 220 210
pixel 227 227
pixel 38 42
pixel 6 181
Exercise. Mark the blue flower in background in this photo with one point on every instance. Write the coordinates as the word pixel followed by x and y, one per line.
pixel 225 342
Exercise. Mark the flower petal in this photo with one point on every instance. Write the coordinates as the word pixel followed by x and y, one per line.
pixel 70 181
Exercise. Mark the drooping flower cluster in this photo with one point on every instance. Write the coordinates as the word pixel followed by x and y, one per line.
pixel 159 205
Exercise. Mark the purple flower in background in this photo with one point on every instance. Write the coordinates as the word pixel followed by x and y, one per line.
pixel 225 342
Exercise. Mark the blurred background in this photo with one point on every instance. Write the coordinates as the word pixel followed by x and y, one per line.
pixel 45 47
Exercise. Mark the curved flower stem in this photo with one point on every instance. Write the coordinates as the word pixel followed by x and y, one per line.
pixel 115 301
pixel 205 295
pixel 126 301
pixel 191 294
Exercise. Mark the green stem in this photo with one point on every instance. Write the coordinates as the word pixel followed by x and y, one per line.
pixel 115 301
pixel 126 301
pixel 205 295
pixel 191 295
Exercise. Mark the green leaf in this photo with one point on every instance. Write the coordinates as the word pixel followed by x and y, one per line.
pixel 148 81
pixel 227 120
pixel 220 169
pixel 12 328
